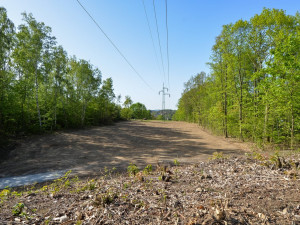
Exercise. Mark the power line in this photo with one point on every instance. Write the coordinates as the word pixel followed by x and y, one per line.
pixel 167 43
pixel 151 35
pixel 162 61
pixel 114 44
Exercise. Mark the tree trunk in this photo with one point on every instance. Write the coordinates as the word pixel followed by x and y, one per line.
pixel 254 134
pixel 55 116
pixel 225 106
pixel 83 113
pixel 23 103
pixel 65 113
pixel 292 128
pixel 241 119
pixel 2 97
pixel 55 103
pixel 37 97
pixel 266 137
pixel 241 104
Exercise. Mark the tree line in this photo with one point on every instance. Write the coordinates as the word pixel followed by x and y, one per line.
pixel 134 110
pixel 253 89
pixel 42 88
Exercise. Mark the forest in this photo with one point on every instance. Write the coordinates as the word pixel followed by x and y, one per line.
pixel 152 172
pixel 253 90
pixel 44 89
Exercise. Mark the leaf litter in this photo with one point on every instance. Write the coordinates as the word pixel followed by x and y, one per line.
pixel 236 190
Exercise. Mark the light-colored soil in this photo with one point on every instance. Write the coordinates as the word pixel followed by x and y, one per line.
pixel 88 151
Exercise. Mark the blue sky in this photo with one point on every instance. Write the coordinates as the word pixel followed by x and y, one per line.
pixel 193 26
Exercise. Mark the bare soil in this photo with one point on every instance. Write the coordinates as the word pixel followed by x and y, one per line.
pixel 256 188
pixel 87 151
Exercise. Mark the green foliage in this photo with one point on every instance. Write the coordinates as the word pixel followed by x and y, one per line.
pixel 132 169
pixel 176 162
pixel 109 172
pixel 60 183
pixel 106 198
pixel 257 156
pixel 128 102
pixel 17 194
pixel 276 159
pixel 139 111
pixel 90 185
pixel 179 115
pixel 4 194
pixel 160 117
pixel 253 91
pixel 125 185
pixel 126 113
pixel 44 188
pixel 42 88
pixel 217 155
pixel 18 209
pixel 166 114
pixel 148 169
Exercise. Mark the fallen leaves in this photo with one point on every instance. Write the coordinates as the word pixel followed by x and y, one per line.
pixel 222 191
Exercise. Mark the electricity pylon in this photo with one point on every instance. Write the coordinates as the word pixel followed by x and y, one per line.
pixel 163 99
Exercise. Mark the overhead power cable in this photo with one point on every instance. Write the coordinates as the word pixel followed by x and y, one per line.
pixel 167 43
pixel 112 43
pixel 151 35
pixel 162 61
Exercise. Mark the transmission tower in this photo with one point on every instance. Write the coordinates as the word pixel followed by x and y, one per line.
pixel 163 91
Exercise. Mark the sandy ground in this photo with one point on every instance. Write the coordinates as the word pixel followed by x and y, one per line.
pixel 88 151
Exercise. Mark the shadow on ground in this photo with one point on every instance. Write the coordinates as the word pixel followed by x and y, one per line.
pixel 88 151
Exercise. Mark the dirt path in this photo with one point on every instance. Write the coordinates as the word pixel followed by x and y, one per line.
pixel 89 150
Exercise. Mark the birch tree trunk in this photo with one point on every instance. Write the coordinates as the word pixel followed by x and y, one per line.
pixel 37 97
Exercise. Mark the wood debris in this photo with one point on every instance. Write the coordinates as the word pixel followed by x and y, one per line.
pixel 222 191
